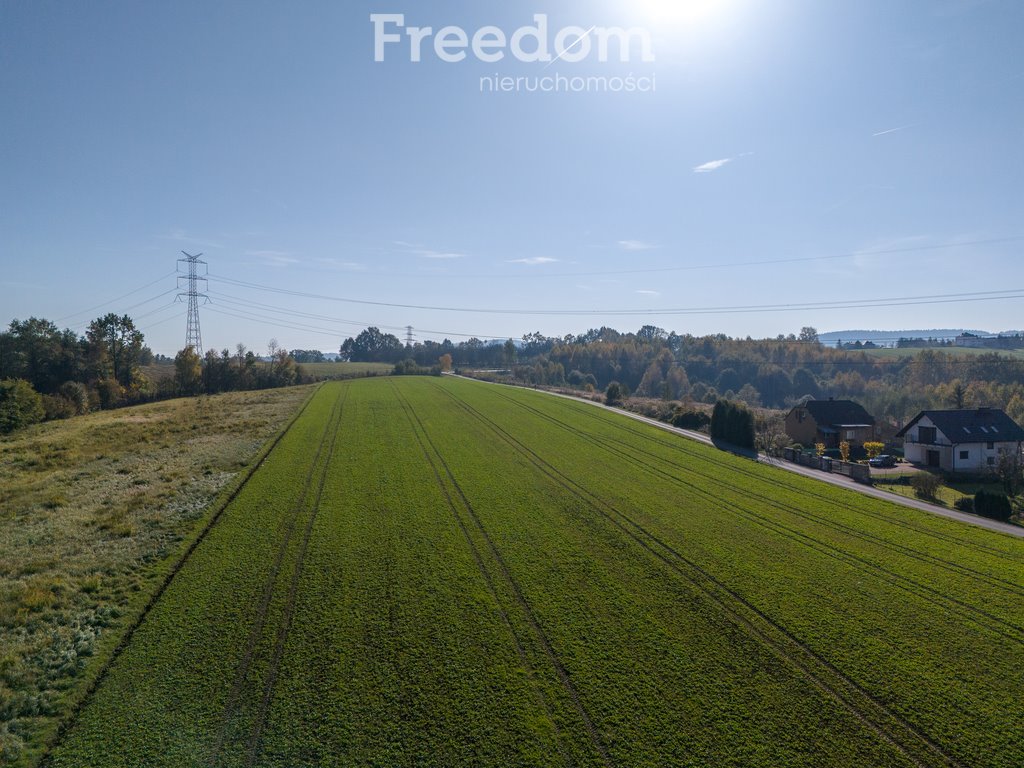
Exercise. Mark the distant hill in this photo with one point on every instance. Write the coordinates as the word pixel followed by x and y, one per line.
pixel 889 338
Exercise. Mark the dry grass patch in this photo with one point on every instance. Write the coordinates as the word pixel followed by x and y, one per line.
pixel 89 508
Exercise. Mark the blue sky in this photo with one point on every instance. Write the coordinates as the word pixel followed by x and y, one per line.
pixel 793 152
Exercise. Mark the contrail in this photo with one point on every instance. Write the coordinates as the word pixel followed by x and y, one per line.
pixel 893 130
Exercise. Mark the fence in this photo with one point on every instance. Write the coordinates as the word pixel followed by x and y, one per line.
pixel 858 472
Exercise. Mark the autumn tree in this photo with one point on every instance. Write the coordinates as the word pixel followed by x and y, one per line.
pixel 873 448
pixel 188 371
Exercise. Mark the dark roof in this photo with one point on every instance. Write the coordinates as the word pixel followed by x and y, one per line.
pixel 837 412
pixel 974 425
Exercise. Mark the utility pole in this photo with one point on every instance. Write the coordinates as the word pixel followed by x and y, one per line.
pixel 193 338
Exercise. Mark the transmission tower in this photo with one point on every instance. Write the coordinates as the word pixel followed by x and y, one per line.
pixel 193 338
pixel 408 335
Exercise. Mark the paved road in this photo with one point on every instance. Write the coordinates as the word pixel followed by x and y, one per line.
pixel 825 477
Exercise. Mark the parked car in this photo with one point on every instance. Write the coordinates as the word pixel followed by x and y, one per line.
pixel 885 461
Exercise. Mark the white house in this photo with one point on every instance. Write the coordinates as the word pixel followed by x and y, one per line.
pixel 968 440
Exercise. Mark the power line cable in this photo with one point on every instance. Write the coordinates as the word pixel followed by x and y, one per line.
pixel 236 302
pixel 949 298
pixel 119 298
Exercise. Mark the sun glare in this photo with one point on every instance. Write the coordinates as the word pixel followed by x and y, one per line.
pixel 678 12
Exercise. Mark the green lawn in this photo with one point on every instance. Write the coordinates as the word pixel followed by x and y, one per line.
pixel 440 572
pixel 946 496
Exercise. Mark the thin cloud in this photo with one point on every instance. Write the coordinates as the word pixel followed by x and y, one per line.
pixel 423 252
pixel 350 266
pixel 274 258
pixel 180 236
pixel 893 130
pixel 637 245
pixel 426 254
pixel 714 165
pixel 649 293
pixel 533 260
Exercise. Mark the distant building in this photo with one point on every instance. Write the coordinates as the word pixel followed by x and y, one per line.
pixel 968 440
pixel 973 341
pixel 830 422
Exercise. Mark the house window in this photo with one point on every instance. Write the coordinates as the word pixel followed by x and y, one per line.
pixel 965 454
pixel 991 460
pixel 990 446
pixel 926 434
pixel 851 434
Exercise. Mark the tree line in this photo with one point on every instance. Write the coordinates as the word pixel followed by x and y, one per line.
pixel 771 373
pixel 49 373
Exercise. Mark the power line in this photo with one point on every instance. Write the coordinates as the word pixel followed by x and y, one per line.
pixel 241 304
pixel 119 298
pixel 948 298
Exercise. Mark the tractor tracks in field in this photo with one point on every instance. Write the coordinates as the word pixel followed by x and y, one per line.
pixel 442 471
pixel 912 742
pixel 233 705
pixel 219 507
pixel 982 618
pixel 683 447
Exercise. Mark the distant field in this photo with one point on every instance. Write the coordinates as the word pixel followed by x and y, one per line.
pixel 321 371
pixel 439 572
pixel 89 510
pixel 885 354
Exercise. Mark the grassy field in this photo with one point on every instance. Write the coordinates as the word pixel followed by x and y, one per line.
pixel 887 353
pixel 89 510
pixel 440 572
pixel 325 371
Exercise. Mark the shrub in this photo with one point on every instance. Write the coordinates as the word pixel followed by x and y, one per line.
pixel 77 394
pixel 110 393
pixel 992 505
pixel 964 504
pixel 732 423
pixel 58 407
pixel 20 405
pixel 926 485
pixel 410 368
pixel 613 394
pixel 684 419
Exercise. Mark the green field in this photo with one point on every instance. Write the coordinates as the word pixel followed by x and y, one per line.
pixel 339 370
pixel 440 572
